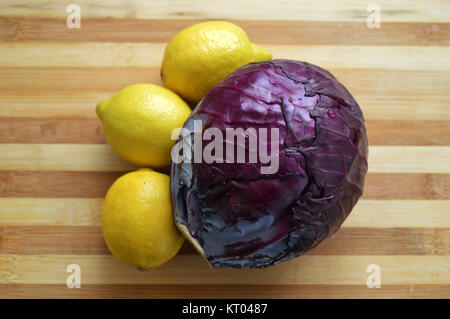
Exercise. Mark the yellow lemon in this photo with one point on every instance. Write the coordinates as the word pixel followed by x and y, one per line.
pixel 137 220
pixel 138 123
pixel 203 54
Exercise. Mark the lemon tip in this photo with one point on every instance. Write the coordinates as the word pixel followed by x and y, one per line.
pixel 100 108
pixel 261 53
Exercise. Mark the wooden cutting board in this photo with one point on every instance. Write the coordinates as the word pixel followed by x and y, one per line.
pixel 55 166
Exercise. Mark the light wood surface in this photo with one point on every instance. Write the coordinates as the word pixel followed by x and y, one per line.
pixel 100 157
pixel 17 211
pixel 149 55
pixel 307 10
pixel 55 166
pixel 191 270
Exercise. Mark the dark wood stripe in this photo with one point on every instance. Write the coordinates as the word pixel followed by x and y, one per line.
pixel 52 240
pixel 72 240
pixel 51 130
pixel 60 184
pixel 407 186
pixel 69 81
pixel 387 132
pixel 89 130
pixel 386 241
pixel 63 82
pixel 58 240
pixel 274 32
pixel 223 291
pixel 56 183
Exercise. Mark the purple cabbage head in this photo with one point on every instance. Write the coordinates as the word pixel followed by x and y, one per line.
pixel 238 216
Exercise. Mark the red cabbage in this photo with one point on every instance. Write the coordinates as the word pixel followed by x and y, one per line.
pixel 235 215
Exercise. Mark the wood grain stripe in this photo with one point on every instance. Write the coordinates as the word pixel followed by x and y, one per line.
pixel 92 84
pixel 96 55
pixel 307 10
pixel 52 240
pixel 400 213
pixel 58 184
pixel 50 105
pixel 100 157
pixel 59 130
pixel 367 57
pixel 281 32
pixel 386 241
pixel 386 132
pixel 83 82
pixel 191 269
pixel 40 92
pixel 193 291
pixel 86 212
pixel 61 184
pixel 45 103
pixel 407 186
pixel 70 157
pixel 89 131
pixel 409 159
pixel 74 240
pixel 50 212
